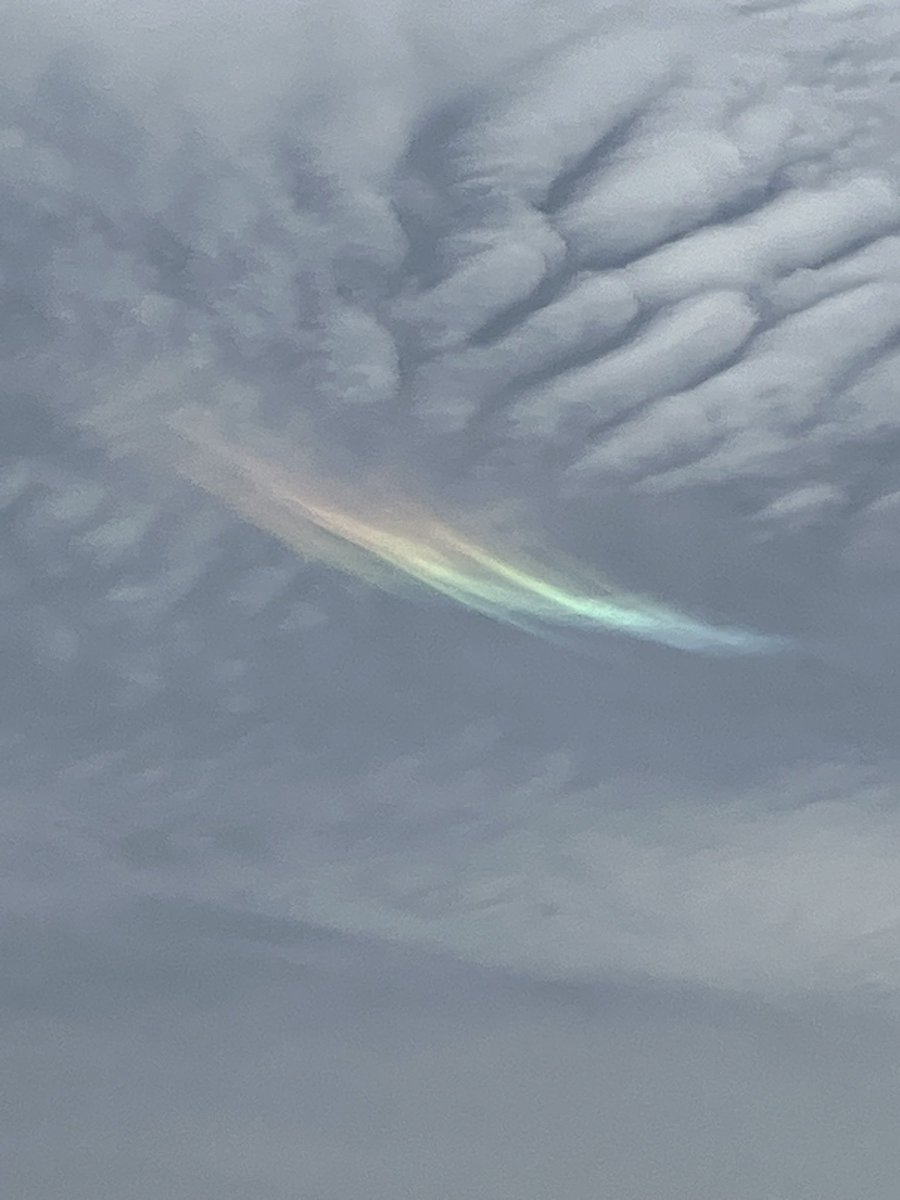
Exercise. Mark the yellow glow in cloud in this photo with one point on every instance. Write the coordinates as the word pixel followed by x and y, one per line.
pixel 396 541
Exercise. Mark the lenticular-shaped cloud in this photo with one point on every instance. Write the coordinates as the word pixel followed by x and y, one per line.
pixel 692 339
pixel 793 230
pixel 507 149
pixel 765 401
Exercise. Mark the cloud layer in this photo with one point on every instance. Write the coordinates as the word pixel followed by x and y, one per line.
pixel 360 889
pixel 654 326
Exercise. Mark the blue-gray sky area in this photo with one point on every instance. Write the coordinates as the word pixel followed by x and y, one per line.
pixel 320 880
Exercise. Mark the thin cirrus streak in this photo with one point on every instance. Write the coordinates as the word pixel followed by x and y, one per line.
pixel 406 544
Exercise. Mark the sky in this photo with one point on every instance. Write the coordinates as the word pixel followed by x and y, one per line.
pixel 450 567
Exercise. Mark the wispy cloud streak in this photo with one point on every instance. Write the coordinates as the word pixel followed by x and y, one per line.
pixel 392 543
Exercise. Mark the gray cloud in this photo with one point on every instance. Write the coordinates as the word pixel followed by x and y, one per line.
pixel 310 890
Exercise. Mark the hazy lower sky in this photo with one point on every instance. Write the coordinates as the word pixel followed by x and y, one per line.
pixel 450 567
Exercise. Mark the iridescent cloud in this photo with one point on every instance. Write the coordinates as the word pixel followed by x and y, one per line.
pixel 393 543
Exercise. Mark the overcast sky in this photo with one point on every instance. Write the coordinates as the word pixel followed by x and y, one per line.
pixel 313 890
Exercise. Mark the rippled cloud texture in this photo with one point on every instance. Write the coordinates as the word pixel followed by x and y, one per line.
pixel 582 317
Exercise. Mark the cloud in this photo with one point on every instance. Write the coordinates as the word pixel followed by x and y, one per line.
pixel 689 342
pixel 406 278
pixel 404 543
pixel 726 890
pixel 310 889
pixel 756 414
